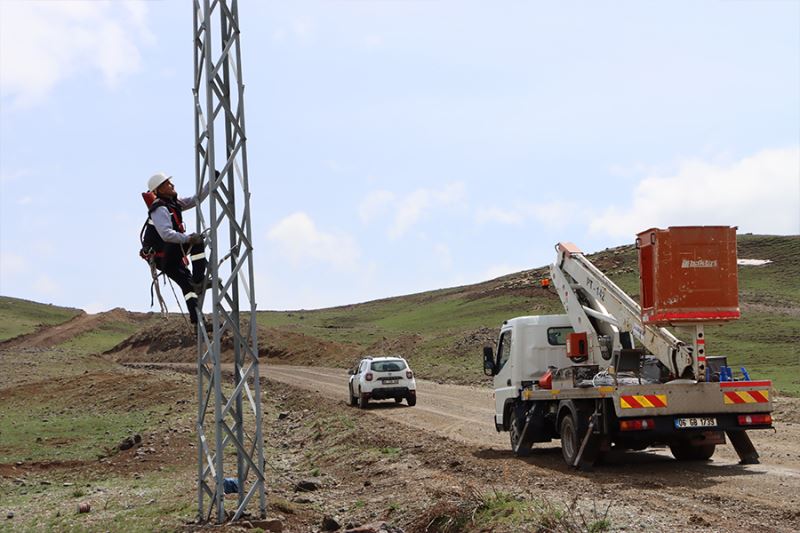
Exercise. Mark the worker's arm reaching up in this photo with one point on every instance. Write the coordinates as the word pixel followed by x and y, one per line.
pixel 192 201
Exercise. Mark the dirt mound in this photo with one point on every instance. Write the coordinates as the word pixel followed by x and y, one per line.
pixel 169 340
pixel 120 390
pixel 301 349
pixel 174 341
pixel 53 335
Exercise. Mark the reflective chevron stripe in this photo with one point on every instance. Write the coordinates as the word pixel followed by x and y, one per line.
pixel 642 401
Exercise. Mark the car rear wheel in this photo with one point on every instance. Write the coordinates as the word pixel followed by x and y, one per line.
pixel 362 401
pixel 411 400
pixel 398 400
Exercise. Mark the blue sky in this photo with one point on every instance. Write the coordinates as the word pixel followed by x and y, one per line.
pixel 395 147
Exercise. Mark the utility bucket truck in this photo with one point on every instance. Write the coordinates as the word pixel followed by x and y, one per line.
pixel 608 374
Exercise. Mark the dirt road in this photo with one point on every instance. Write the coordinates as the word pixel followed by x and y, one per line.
pixel 765 495
pixel 648 487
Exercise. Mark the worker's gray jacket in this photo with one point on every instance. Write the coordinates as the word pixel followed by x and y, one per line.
pixel 162 220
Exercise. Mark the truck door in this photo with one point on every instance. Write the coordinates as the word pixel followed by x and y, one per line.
pixel 503 385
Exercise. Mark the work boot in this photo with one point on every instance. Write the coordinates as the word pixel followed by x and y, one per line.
pixel 200 286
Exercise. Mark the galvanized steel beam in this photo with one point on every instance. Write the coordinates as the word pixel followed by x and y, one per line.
pixel 225 421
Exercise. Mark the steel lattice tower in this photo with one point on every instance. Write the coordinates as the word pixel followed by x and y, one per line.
pixel 229 414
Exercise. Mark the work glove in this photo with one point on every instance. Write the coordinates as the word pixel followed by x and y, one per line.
pixel 196 238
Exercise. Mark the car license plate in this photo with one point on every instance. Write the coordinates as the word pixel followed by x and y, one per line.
pixel 699 422
pixel 390 381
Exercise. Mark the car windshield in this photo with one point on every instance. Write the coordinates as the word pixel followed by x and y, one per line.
pixel 394 365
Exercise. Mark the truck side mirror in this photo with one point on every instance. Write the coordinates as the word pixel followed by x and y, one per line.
pixel 351 372
pixel 488 361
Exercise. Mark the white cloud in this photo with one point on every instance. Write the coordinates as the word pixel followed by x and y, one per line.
pixel 300 240
pixel 45 42
pixel 759 194
pixel 553 214
pixel 374 204
pixel 406 210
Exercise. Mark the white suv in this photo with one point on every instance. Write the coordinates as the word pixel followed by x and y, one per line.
pixel 381 378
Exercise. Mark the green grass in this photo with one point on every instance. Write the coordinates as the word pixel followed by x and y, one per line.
pixel 18 317
pixel 101 339
pixel 154 502
pixel 504 511
pixel 48 433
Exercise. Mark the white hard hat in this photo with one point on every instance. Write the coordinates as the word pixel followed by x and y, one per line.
pixel 156 180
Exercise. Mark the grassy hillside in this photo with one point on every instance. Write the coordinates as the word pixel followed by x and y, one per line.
pixel 18 317
pixel 442 332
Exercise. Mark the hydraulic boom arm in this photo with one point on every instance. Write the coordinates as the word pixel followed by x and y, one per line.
pixel 609 317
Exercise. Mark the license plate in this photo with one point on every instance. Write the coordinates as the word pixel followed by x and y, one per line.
pixel 390 381
pixel 699 422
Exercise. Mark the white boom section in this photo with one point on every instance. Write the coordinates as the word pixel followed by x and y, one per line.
pixel 616 314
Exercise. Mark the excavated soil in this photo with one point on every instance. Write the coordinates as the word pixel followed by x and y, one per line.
pixel 83 323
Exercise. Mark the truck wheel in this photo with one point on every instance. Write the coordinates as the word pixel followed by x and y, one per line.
pixel 411 401
pixel 515 433
pixel 362 401
pixel 570 439
pixel 353 399
pixel 684 451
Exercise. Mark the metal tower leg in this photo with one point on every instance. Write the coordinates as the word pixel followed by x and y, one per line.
pixel 229 414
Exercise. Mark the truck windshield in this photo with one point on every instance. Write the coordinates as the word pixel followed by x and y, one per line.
pixel 388 366
pixel 558 336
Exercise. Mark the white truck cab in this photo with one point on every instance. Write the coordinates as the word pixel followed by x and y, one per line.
pixel 528 346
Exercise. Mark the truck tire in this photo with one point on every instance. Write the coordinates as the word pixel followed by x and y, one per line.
pixel 411 401
pixel 514 433
pixel 353 399
pixel 571 437
pixel 685 451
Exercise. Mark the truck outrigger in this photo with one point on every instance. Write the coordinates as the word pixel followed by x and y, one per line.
pixel 609 374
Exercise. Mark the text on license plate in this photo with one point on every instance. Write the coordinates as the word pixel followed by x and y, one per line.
pixel 698 422
pixel 390 382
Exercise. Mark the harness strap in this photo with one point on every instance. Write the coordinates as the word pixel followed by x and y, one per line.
pixel 178 222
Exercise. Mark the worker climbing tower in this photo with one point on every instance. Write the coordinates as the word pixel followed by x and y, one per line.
pixel 230 452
